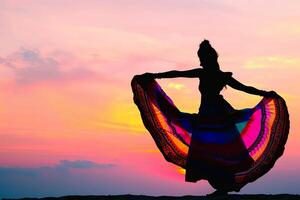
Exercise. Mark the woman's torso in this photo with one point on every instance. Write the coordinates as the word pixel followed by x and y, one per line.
pixel 212 103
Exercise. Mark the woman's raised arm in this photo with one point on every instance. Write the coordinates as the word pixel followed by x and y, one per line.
pixel 174 73
pixel 249 89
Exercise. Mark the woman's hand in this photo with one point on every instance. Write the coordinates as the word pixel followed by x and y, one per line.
pixel 148 75
pixel 145 77
pixel 272 94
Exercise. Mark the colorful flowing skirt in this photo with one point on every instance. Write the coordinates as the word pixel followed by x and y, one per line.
pixel 227 153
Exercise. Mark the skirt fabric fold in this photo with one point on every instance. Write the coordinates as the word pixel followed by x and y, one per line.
pixel 228 152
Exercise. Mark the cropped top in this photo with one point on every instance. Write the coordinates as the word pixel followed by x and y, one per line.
pixel 212 82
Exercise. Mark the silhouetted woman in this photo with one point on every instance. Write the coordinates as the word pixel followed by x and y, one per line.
pixel 227 147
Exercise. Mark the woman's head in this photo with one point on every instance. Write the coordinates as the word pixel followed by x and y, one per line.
pixel 208 56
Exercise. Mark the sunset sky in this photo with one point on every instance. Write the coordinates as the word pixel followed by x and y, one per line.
pixel 68 124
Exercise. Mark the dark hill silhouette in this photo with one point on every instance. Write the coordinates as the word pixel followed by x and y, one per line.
pixel 144 197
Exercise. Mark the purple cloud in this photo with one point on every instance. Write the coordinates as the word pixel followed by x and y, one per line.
pixel 83 164
pixel 30 66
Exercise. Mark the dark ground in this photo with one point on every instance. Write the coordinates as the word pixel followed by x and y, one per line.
pixel 143 197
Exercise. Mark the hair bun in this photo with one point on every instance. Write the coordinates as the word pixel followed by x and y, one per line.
pixel 205 43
